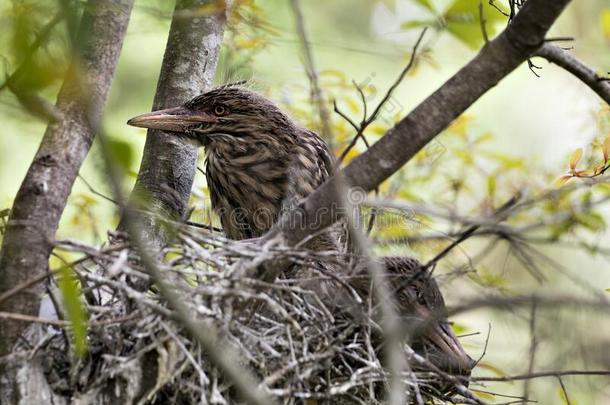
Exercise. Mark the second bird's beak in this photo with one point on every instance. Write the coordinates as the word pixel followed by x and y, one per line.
pixel 178 119
pixel 451 356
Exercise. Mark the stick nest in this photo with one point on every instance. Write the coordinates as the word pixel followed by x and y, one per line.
pixel 299 348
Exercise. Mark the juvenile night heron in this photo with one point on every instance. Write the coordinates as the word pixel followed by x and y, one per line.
pixel 259 161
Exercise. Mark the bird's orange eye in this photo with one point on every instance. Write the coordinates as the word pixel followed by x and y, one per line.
pixel 220 110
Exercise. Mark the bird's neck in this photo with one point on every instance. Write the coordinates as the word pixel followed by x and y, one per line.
pixel 247 186
pixel 251 181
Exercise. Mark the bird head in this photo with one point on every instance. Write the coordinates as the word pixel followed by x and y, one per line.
pixel 257 158
pixel 226 114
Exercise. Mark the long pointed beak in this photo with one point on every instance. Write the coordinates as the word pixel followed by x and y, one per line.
pixel 178 119
pixel 453 356
pixel 448 353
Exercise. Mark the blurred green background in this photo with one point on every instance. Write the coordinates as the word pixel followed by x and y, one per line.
pixel 529 126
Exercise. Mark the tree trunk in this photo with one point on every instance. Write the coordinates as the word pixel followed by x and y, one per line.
pixel 43 194
pixel 166 176
pixel 168 165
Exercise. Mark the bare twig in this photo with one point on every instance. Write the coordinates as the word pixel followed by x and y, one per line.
pixel 485 346
pixel 95 192
pixel 316 91
pixel 483 21
pixel 570 63
pixel 62 323
pixel 533 349
pixel 501 302
pixel 543 374
pixel 499 215
pixel 563 389
pixel 370 119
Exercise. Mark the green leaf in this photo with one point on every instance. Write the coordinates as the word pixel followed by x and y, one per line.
pixel 486 278
pixel 564 399
pixel 494 369
pixel 491 184
pixel 592 221
pixel 485 396
pixel 462 19
pixel 606 148
pixel 408 25
pixel 121 153
pixel 427 4
pixel 605 22
pixel 575 158
pixel 459 329
pixel 75 312
pixel 507 162
pixel 560 182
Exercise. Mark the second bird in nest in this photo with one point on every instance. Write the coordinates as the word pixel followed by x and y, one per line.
pixel 259 162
